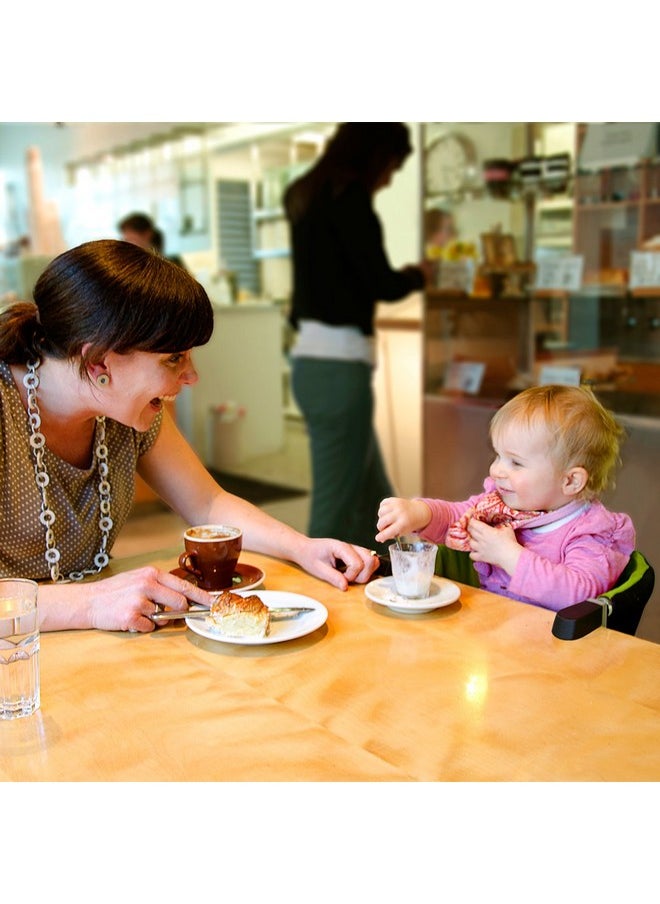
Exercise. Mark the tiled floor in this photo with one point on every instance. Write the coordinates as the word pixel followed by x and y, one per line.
pixel 291 467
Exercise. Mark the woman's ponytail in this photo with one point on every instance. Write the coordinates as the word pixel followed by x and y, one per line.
pixel 20 333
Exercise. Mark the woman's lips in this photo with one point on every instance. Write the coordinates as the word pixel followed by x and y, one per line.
pixel 157 403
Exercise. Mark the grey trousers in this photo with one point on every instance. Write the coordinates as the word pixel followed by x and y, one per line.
pixel 348 475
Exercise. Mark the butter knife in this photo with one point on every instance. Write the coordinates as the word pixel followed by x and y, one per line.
pixel 276 614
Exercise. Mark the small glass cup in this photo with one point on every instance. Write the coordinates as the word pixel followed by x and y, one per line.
pixel 19 648
pixel 413 566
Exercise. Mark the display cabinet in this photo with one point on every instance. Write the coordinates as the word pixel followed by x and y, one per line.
pixel 483 343
pixel 488 339
pixel 616 211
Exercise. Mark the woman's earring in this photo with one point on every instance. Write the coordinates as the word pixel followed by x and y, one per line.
pixel 102 380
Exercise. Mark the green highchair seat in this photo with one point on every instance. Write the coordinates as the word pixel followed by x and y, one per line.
pixel 455 565
pixel 629 596
pixel 627 599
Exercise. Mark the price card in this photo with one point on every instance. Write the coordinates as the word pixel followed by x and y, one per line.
pixel 564 376
pixel 456 275
pixel 644 269
pixel 562 272
pixel 465 376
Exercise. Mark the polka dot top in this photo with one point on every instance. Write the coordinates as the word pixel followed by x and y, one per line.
pixel 72 492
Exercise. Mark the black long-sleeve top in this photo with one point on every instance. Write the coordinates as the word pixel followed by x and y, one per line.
pixel 340 268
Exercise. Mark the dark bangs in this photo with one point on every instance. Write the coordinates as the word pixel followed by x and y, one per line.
pixel 169 311
pixel 118 297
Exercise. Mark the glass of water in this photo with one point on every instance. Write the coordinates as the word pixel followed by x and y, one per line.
pixel 413 564
pixel 19 648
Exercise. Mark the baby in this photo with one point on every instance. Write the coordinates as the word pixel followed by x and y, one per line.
pixel 538 533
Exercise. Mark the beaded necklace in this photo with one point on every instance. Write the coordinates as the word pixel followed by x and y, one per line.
pixel 42 478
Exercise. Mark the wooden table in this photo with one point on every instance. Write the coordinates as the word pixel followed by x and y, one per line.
pixel 478 691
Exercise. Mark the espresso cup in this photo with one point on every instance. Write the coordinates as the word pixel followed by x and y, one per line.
pixel 212 551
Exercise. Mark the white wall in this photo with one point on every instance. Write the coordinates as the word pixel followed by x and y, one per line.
pixel 398 376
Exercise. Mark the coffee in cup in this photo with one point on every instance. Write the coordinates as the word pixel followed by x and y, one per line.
pixel 212 551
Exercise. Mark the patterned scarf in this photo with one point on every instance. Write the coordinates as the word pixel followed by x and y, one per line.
pixel 491 509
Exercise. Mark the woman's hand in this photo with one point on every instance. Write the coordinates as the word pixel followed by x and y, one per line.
pixel 401 516
pixel 322 558
pixel 123 602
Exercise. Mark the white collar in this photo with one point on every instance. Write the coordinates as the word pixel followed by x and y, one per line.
pixel 575 510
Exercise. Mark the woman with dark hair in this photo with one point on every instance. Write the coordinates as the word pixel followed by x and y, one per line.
pixel 340 272
pixel 84 372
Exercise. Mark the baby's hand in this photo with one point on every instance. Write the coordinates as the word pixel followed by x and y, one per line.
pixel 494 545
pixel 401 516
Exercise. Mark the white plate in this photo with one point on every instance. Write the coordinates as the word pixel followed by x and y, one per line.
pixel 383 592
pixel 280 630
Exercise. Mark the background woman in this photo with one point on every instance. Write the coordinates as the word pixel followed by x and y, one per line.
pixel 340 272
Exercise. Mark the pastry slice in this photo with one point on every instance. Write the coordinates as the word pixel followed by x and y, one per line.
pixel 239 616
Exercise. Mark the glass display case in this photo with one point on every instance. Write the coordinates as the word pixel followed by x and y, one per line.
pixel 486 340
pixel 481 351
pixel 496 326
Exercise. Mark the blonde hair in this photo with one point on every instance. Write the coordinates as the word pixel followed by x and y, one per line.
pixel 582 433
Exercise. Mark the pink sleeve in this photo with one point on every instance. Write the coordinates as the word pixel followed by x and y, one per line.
pixel 590 565
pixel 443 515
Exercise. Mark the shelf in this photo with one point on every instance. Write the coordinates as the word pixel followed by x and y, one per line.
pixel 646 292
pixel 548 294
pixel 517 194
pixel 565 202
pixel 461 195
pixel 606 205
pixel 554 241
pixel 601 291
pixel 268 213
pixel 269 253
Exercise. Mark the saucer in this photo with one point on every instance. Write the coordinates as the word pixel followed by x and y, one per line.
pixel 383 592
pixel 245 577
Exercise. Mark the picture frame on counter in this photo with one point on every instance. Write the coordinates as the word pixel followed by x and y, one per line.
pixel 561 272
pixel 564 376
pixel 465 376
pixel 644 269
pixel 456 275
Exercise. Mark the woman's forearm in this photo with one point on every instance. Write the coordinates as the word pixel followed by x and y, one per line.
pixel 64 606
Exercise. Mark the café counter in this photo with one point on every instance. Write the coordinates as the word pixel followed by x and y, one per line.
pixel 479 690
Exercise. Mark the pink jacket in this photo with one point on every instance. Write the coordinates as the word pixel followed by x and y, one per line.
pixel 579 559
